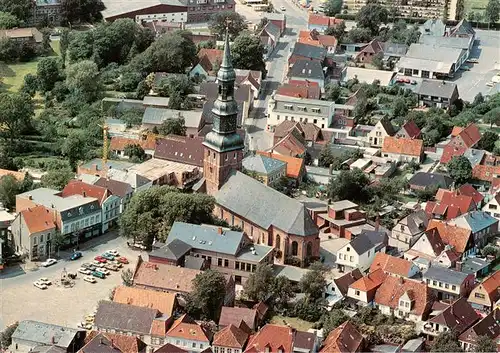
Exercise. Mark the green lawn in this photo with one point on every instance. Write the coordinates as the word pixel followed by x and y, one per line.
pixel 475 5
pixel 12 75
pixel 295 322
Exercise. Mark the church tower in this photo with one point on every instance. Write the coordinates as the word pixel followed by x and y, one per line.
pixel 223 151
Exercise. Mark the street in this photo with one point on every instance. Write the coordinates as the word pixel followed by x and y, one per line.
pixel 59 305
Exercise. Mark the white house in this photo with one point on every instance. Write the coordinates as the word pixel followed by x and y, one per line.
pixel 376 136
pixel 492 207
pixel 196 341
pixel 336 288
pixel 403 149
pixel 360 252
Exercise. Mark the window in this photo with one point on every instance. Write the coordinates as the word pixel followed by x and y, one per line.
pixel 302 109
pixel 315 110
pixel 237 265
pixel 288 107
pixel 446 285
pixel 357 292
pixel 348 249
pixel 453 287
pixel 178 342
pixel 479 295
pixel 407 305
pixel 401 303
pixel 41 238
pixel 434 283
pixel 226 263
pixel 351 258
pixel 493 207
pixel 219 262
pixel 201 345
pixel 440 284
pixel 193 345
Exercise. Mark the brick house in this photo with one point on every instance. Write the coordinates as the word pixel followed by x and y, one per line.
pixel 467 138
pixel 231 339
pixel 341 216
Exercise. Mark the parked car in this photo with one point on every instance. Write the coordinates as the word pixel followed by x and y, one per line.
pixel 49 262
pixel 98 274
pixel 283 8
pixel 100 259
pixel 84 271
pixel 40 285
pixel 490 84
pixel 76 255
pixel 113 252
pixel 108 257
pixel 473 61
pixel 90 279
pixel 123 260
pixel 88 266
pixel 103 271
pixel 45 280
pixel 111 266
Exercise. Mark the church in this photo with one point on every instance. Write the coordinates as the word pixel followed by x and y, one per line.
pixel 265 215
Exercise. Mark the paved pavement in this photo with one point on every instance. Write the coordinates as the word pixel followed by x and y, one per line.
pixel 64 306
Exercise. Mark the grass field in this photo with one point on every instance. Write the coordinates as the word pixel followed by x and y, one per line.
pixel 12 75
pixel 295 322
pixel 475 5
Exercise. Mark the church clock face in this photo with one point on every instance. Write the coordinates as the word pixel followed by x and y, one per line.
pixel 228 123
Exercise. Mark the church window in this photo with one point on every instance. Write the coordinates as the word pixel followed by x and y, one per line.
pixel 235 155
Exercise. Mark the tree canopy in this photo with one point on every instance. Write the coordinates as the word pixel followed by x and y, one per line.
pixel 233 21
pixel 17 111
pixel 22 9
pixel 151 213
pixel 349 184
pixel 488 141
pixel 492 11
pixel 8 20
pixel 76 11
pixel 248 52
pixel 206 299
pixel 460 170
pixel 332 7
pixel 259 284
pixel 83 79
pixel 48 73
pixel 371 16
pixel 446 342
pixel 173 127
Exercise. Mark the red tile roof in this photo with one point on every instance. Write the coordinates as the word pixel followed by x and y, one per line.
pixel 209 58
pixel 344 339
pixel 485 172
pixel 306 83
pixel 393 288
pixel 185 327
pixel 470 135
pixel 321 20
pixel 38 219
pixel 294 165
pixel 309 92
pixel 77 187
pixel 18 175
pixel 451 205
pixel 408 147
pixel 411 129
pixel 369 282
pixel 230 336
pixel 147 298
pixel 309 131
pixel 456 130
pixel 488 326
pixel 167 277
pixel 451 235
pixel 119 143
pixel 492 286
pixel 290 145
pixel 112 342
pixel 234 315
pixel 374 47
pixel 391 264
pixel 271 338
pixel 450 151
pixel 469 190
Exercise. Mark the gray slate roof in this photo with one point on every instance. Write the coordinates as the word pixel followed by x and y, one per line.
pixel 156 116
pixel 368 240
pixel 42 333
pixel 262 164
pixel 437 88
pixel 265 206
pixel 124 317
pixel 307 69
pixel 445 275
pixel 446 42
pixel 416 222
pixel 309 51
pixel 428 179
pixel 272 30
pixel 206 237
pixel 394 49
pixel 474 156
pixel 175 249
pixel 434 27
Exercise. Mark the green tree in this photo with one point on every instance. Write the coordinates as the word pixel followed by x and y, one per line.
pixel 132 117
pixel 485 344
pixel 58 241
pixel 207 296
pixel 350 185
pixel 490 250
pixel 57 178
pixel 399 107
pixel 248 53
pixel 151 213
pixel 174 84
pixel 234 22
pixel 80 46
pixel 333 92
pixel 332 8
pixel 487 141
pixel 478 99
pixel 460 10
pixel 30 85
pixel 492 11
pixel 309 309
pixel 359 35
pixel 83 78
pixel 283 291
pixel 326 157
pixel 460 170
pixel 9 188
pixel 378 61
pixel 446 342
pixel 173 127
pixel 75 147
pixel 48 73
pixel 17 111
pixel 8 20
pixel 22 9
pixel 337 31
pixel 259 284
pixel 371 17
pixel 128 277
pixel 135 151
pixel 313 283
pixel 76 11
pixel 63 45
pixel 6 335
pixel 332 320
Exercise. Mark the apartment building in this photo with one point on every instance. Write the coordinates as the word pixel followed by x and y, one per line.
pixel 46 12
pixel 448 284
pixel 407 8
pixel 282 108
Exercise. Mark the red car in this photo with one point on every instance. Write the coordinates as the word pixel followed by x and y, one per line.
pixel 122 260
pixel 100 259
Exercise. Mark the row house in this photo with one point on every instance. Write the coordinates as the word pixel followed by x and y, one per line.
pixel 363 290
pixel 484 296
pixel 165 303
pixel 408 230
pixel 112 343
pixel 321 23
pixel 481 225
pixel 231 338
pixel 437 93
pixel 459 238
pixel 383 128
pixel 280 339
pixel 448 284
pixel 449 205
pixel 227 251
pixel 457 317
pixel 295 167
pixel 313 37
pixel 394 266
pixel 403 149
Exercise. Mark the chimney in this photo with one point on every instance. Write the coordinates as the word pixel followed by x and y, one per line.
pixel 459 266
pixel 53 339
pixel 84 194
pixel 219 231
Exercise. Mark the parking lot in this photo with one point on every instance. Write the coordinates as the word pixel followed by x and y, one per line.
pixel 59 305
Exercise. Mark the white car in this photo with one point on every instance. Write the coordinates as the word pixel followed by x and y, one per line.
pixel 283 8
pixel 97 264
pixel 45 280
pixel 84 271
pixel 113 252
pixel 89 279
pixel 49 262
pixel 40 285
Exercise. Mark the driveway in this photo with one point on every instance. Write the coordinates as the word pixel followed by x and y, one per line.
pixel 62 306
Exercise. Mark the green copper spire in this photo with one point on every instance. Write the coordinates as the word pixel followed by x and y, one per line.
pixel 223 136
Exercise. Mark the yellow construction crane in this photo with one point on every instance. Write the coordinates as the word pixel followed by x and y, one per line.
pixel 105 145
